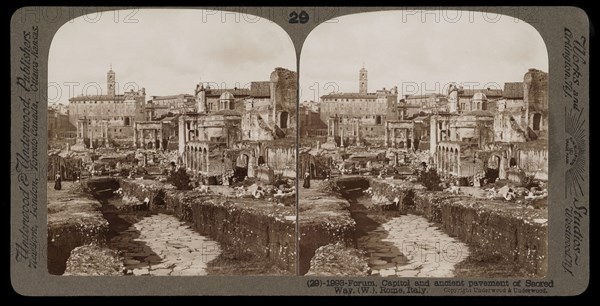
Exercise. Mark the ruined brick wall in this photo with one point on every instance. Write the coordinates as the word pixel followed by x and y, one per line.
pixel 284 96
pixel 243 230
pixel 507 128
pixel 496 227
pixel 536 99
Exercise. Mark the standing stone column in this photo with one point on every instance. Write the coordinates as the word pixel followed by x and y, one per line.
pixel 385 135
pixel 160 142
pixel 78 132
pixel 458 162
pixel 200 160
pixel 184 156
pixel 135 140
pixel 91 137
pixel 251 164
pixel 502 173
pixel 206 153
pixel 106 138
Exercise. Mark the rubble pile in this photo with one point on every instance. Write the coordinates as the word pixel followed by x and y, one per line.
pixel 338 260
pixel 284 194
pixel 92 259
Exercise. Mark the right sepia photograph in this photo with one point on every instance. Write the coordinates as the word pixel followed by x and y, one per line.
pixel 423 146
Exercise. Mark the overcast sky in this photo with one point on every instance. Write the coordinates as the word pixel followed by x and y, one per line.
pixel 166 51
pixel 403 49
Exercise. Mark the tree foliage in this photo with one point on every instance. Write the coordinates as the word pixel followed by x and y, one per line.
pixel 180 179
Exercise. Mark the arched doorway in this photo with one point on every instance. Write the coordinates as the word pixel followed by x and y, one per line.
pixel 493 168
pixel 378 120
pixel 283 120
pixel 241 168
pixel 205 152
pixel 537 118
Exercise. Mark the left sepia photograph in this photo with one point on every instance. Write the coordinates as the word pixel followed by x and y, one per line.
pixel 171 145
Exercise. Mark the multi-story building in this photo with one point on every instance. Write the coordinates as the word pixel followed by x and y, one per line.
pixel 233 126
pixel 160 106
pixel 100 118
pixel 360 114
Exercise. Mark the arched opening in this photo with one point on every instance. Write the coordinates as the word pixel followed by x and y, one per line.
pixel 537 118
pixel 493 169
pixel 378 120
pixel 241 168
pixel 149 145
pixel 456 161
pixel 205 152
pixel 283 120
pixel 127 123
pixel 512 162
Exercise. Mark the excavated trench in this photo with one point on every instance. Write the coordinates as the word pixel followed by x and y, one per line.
pixel 179 232
pixel 396 243
pixel 434 234
pixel 152 243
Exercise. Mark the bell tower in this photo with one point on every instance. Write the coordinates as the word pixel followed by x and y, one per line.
pixel 362 86
pixel 110 82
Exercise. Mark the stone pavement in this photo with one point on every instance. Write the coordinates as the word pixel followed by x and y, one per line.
pixel 411 246
pixel 163 245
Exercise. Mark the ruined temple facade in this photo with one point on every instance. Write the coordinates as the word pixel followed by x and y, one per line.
pixel 230 131
pixel 360 114
pixel 101 118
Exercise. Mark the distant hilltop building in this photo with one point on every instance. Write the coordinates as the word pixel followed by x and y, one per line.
pixel 101 118
pixel 359 114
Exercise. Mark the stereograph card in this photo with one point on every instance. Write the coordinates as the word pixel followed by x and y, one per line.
pixel 354 151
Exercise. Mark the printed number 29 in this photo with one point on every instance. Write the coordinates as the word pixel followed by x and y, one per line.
pixel 302 17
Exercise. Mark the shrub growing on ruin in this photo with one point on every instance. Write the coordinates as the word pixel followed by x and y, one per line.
pixel 430 179
pixel 180 179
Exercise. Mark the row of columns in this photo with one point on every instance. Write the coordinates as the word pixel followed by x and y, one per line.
pixel 196 158
pixel 85 129
pixel 336 128
pixel 448 160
